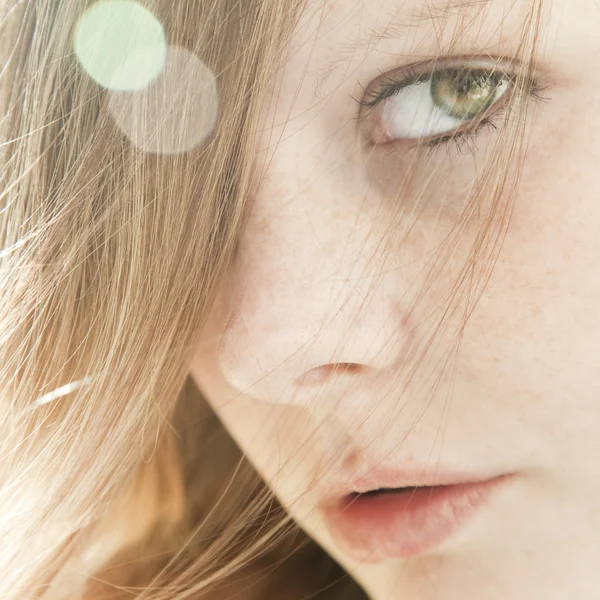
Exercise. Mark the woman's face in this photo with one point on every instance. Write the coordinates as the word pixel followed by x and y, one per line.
pixel 320 283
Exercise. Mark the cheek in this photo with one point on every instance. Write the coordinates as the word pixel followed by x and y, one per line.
pixel 535 335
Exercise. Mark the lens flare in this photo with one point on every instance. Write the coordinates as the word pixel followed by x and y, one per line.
pixel 120 44
pixel 176 112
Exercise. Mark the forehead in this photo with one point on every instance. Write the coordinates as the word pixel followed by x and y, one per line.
pixel 337 37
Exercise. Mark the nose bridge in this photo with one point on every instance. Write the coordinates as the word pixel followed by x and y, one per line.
pixel 312 295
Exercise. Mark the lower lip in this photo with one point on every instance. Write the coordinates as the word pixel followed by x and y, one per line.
pixel 373 528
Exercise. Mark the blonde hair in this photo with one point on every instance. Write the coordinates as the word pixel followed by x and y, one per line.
pixel 111 257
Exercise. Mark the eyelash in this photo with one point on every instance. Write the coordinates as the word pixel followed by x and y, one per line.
pixel 390 87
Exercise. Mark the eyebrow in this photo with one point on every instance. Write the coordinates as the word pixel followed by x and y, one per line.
pixel 396 28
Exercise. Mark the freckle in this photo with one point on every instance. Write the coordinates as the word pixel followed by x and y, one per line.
pixel 536 311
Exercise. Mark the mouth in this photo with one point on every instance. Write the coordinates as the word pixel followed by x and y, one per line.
pixel 386 523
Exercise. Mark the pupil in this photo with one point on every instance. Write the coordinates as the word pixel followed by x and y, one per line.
pixel 463 94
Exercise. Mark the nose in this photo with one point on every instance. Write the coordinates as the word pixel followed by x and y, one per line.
pixel 288 346
pixel 316 308
pixel 292 346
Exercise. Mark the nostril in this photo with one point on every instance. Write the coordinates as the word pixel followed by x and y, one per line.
pixel 319 375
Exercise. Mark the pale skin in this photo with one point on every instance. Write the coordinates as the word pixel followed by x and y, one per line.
pixel 523 395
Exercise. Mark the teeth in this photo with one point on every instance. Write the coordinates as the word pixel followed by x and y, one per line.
pixel 398 490
pixel 383 491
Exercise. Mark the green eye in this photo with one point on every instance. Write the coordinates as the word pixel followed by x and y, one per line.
pixel 423 105
pixel 466 93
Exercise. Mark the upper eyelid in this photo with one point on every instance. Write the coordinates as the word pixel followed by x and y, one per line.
pixel 427 67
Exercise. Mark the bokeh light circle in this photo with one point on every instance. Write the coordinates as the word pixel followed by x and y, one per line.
pixel 176 112
pixel 120 44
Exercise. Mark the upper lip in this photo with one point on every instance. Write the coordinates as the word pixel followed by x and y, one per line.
pixel 396 478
